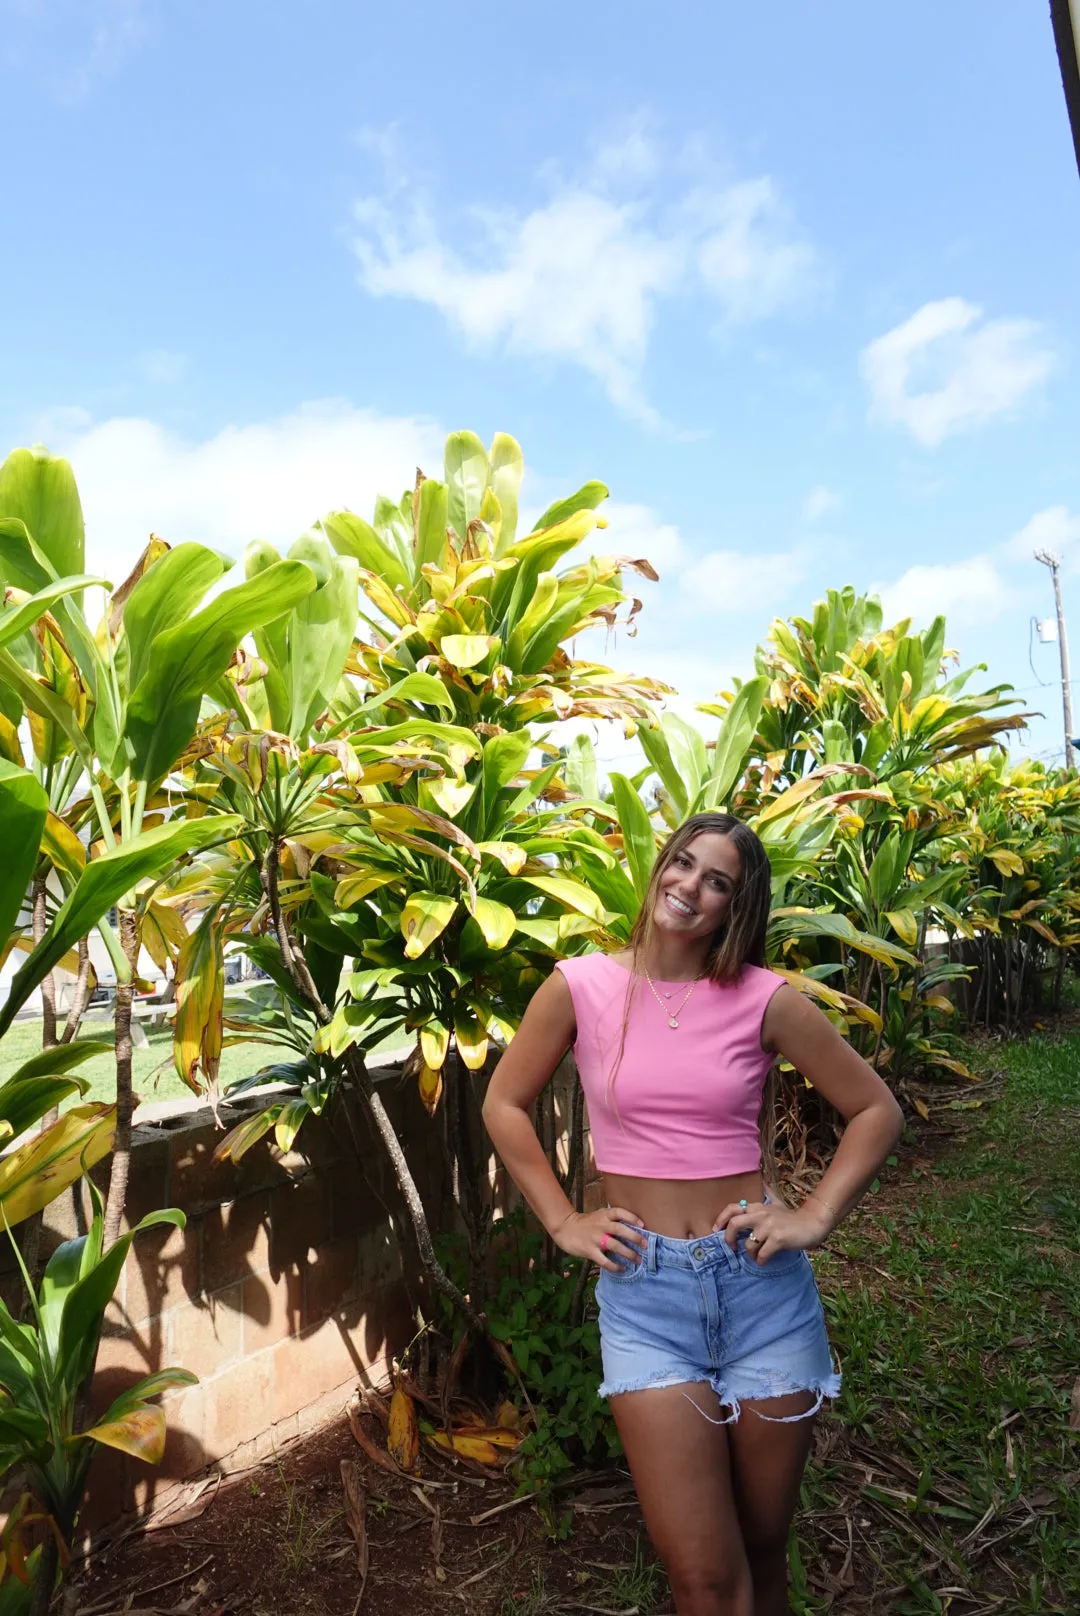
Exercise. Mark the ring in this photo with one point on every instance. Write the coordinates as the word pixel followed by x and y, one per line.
pixel 603 1242
pixel 743 1205
pixel 752 1237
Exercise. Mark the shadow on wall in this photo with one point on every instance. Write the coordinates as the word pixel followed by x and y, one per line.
pixel 293 1281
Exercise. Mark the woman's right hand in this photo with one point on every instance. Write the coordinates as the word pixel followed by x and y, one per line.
pixel 602 1236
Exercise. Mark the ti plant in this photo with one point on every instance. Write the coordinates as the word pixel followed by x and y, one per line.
pixel 410 860
pixel 45 1368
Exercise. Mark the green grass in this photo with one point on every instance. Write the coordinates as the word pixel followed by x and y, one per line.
pixel 953 1303
pixel 154 1075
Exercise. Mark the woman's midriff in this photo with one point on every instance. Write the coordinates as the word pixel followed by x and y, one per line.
pixel 680 1208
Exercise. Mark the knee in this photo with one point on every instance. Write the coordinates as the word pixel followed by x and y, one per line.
pixel 715 1591
pixel 767 1555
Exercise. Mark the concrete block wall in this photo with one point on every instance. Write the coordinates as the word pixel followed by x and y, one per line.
pixel 286 1289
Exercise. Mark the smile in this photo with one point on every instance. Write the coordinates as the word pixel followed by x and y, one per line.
pixel 680 907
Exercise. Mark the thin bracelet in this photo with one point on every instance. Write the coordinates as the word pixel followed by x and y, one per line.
pixel 814 1196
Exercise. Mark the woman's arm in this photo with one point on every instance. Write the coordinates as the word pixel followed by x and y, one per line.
pixel 796 1029
pixel 545 1033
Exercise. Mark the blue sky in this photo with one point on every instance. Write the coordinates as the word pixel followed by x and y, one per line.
pixel 798 282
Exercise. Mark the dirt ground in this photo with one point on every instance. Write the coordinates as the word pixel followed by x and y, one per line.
pixel 276 1540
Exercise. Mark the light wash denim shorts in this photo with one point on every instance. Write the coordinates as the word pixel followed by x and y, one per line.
pixel 698 1310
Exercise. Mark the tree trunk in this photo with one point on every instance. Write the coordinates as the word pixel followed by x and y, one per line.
pixel 121 1157
pixel 81 997
pixel 48 986
pixel 45 1580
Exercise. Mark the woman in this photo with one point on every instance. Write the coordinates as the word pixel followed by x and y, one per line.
pixel 713 1338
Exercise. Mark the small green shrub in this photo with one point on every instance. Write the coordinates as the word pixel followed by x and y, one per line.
pixel 546 1316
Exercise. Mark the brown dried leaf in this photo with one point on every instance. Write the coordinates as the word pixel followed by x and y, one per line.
pixel 377 1456
pixel 356 1518
pixel 467 1446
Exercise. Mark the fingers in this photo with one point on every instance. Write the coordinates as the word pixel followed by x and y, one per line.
pixel 619 1215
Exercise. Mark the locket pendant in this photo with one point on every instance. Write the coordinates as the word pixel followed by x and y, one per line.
pixel 673 1023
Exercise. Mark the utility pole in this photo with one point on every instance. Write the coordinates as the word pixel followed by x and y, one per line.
pixel 1052 561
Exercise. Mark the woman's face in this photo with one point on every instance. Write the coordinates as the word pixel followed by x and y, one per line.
pixel 694 892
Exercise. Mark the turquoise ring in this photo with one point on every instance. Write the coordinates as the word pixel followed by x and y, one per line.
pixel 743 1204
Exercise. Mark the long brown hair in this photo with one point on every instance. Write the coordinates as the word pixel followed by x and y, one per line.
pixel 740 939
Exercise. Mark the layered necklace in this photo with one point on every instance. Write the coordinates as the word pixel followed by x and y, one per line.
pixel 673 1012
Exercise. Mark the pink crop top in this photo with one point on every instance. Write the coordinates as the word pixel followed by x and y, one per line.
pixel 685 1103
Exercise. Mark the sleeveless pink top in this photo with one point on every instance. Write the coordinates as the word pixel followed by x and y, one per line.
pixel 685 1103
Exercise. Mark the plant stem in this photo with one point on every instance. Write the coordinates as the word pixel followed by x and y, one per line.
pixel 121 1157
pixel 81 997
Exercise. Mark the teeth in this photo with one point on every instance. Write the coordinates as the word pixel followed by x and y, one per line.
pixel 677 903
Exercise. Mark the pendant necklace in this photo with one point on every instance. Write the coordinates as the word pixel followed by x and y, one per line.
pixel 673 1012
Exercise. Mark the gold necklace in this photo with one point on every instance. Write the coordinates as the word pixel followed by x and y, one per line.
pixel 672 1014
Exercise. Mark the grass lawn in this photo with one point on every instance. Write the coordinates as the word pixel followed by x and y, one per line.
pixel 948 1477
pixel 153 1072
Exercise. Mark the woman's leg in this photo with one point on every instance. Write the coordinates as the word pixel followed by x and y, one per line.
pixel 767 1462
pixel 681 1469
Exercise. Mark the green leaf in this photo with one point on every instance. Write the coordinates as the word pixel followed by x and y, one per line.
pixel 61 1058
pixel 23 809
pixel 164 597
pixel 321 627
pixel 734 741
pixel 504 758
pixel 41 700
pixel 24 1101
pixel 507 469
pixel 496 921
pixel 352 536
pixel 39 489
pixel 431 524
pixel 467 475
pixel 654 743
pixel 103 883
pixel 639 839
pixel 587 498
pixel 35 1173
pixel 190 658
pixel 19 618
pixel 422 687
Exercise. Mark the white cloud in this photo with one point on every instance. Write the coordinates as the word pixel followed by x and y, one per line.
pixel 967 593
pixel 734 581
pixel 819 502
pixel 636 531
pixel 1056 529
pixel 947 370
pixel 70 46
pixel 579 277
pixel 269 479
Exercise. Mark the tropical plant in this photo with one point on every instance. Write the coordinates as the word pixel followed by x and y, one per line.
pixel 109 713
pixel 45 1367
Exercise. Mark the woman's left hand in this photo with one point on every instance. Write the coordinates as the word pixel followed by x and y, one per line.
pixel 771 1228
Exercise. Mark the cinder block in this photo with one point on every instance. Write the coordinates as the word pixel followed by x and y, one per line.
pixel 206 1338
pixel 162 1271
pixel 236 1241
pixel 272 1307
pixel 299 1220
pixel 331 1278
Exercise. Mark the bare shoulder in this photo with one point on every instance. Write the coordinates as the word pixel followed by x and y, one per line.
pixel 790 1013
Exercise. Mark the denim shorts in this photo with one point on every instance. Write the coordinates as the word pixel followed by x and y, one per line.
pixel 698 1310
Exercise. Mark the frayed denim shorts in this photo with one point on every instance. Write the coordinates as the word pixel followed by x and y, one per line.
pixel 698 1310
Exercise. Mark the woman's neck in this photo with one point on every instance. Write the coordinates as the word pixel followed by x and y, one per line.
pixel 669 959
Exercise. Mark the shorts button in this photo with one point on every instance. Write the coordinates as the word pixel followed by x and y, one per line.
pixel 699 1253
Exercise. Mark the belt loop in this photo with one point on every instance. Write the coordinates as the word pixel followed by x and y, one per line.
pixel 654 1240
pixel 731 1253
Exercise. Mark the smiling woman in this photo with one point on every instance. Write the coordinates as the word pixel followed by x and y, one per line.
pixel 708 1307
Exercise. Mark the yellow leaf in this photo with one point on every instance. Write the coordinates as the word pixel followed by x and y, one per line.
pixel 200 999
pixel 512 857
pixel 60 843
pixel 450 796
pixel 140 1433
pixel 1043 931
pixel 37 1172
pixel 1008 863
pixel 430 1084
pixel 472 1041
pixel 938 1001
pixel 403 1437
pixel 922 1108
pixel 470 1447
pixel 570 892
pixel 424 918
pixel 9 742
pixel 467 650
pixel 351 889
pixel 904 925
pixel 434 1042
pixel 508 1417
pixel 496 921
